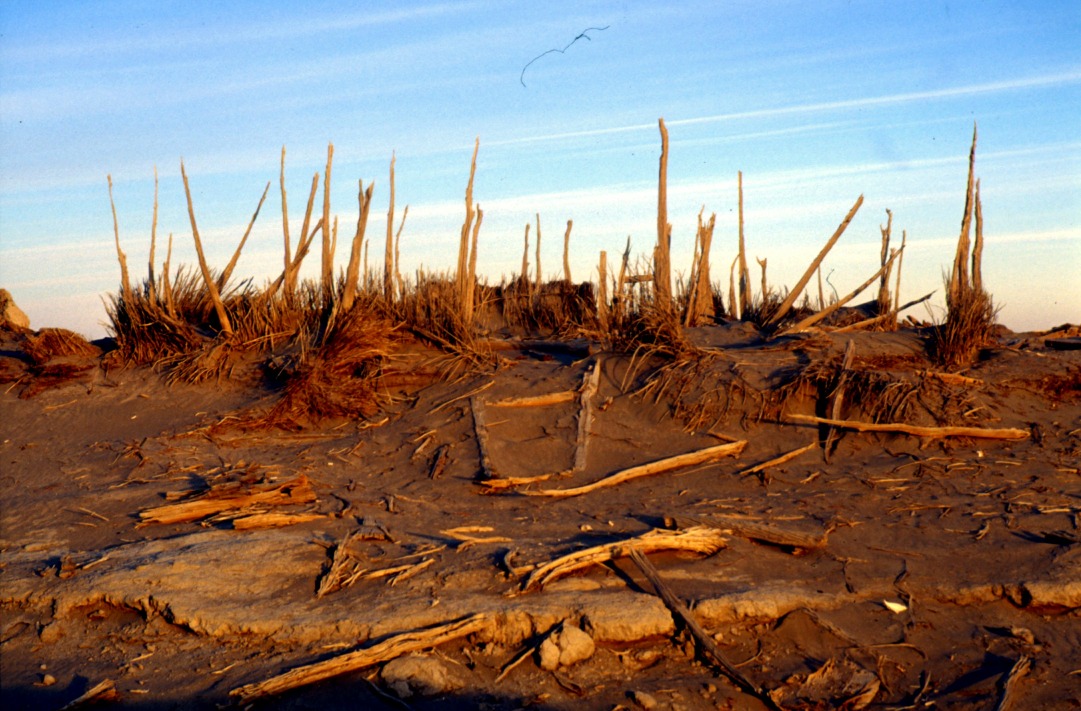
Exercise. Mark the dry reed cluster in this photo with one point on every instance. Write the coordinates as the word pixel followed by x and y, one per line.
pixel 335 331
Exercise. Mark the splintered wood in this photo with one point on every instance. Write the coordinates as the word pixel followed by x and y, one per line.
pixel 702 540
pixel 392 648
pixel 800 541
pixel 217 500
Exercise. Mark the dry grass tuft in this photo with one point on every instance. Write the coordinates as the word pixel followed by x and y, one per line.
pixel 50 343
pixel 340 378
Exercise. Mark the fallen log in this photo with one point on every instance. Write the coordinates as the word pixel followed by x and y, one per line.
pixel 915 430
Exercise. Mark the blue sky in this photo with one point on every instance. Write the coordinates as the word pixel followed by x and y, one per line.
pixel 815 102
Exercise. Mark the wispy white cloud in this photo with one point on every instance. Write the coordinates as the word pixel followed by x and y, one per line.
pixel 1072 76
pixel 202 36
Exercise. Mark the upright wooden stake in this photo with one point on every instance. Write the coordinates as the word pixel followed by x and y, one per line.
pixel 566 254
pixel 662 269
pixel 211 288
pixel 125 282
pixel 388 261
pixel 328 235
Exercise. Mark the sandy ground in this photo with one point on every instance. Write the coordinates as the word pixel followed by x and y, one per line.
pixel 944 562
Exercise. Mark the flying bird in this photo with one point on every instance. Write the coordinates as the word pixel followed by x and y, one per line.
pixel 584 34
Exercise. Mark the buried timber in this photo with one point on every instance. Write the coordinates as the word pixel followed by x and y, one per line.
pixel 371 491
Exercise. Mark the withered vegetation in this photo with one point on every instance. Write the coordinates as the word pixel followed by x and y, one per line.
pixel 325 343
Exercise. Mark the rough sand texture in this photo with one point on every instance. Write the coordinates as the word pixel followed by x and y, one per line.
pixel 972 543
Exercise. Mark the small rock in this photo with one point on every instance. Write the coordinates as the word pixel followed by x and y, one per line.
pixel 565 647
pixel 51 633
pixel 644 699
pixel 11 316
pixel 48 680
pixel 417 675
pixel 628 619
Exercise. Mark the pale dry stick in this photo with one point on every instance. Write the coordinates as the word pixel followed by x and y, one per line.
pixel 328 249
pixel 692 282
pixel 977 247
pixel 744 272
pixel 1009 683
pixel 585 415
pixel 602 292
pixel 566 253
pixel 388 259
pixel 464 396
pixel 951 378
pixel 150 284
pixel 305 238
pixel 392 648
pixel 285 214
pixel 733 305
pixel 916 431
pixel 480 428
pixel 821 295
pixel 125 282
pixel 223 279
pixel 701 456
pixel 703 540
pixel 556 398
pixel 662 268
pixel 398 252
pixel 818 316
pixel 471 282
pixel 94 693
pixel 959 277
pixel 704 641
pixel 211 288
pixel 789 300
pixel 525 256
pixel 897 309
pixel 352 271
pixel 703 288
pixel 518 658
pixel 884 300
pixel 273 520
pixel 765 284
pixel 538 277
pixel 464 239
pixel 166 283
pixel 777 461
pixel 618 300
pixel 882 317
pixel 839 396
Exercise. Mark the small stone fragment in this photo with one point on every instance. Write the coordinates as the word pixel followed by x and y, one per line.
pixel 51 633
pixel 644 699
pixel 565 647
pixel 417 675
pixel 48 680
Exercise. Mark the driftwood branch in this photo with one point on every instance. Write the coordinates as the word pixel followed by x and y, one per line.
pixel 698 539
pixel 777 461
pixel 786 305
pixel 915 430
pixel 701 456
pixel 384 651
